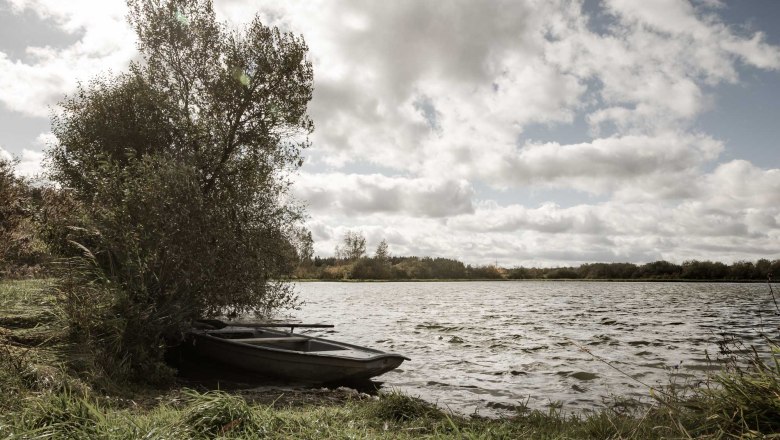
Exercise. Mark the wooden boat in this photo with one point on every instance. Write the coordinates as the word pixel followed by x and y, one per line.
pixel 292 356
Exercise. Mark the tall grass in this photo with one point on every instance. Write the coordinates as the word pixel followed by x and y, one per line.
pixel 744 398
pixel 742 406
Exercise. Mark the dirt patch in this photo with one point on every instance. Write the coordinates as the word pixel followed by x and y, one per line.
pixel 283 397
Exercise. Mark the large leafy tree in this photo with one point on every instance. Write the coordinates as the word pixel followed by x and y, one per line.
pixel 182 165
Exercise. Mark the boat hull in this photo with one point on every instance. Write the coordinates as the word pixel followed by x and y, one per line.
pixel 357 363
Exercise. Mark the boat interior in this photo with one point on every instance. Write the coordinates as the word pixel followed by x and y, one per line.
pixel 278 340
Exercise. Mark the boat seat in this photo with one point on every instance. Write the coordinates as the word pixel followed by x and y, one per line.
pixel 273 340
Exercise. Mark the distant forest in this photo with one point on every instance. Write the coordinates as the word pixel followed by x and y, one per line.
pixel 351 262
pixel 410 268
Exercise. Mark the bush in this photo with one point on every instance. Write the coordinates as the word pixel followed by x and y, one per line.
pixel 22 252
pixel 185 211
pixel 371 269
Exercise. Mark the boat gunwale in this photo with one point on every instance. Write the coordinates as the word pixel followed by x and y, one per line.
pixel 378 354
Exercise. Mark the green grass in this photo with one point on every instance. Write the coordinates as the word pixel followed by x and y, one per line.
pixel 222 415
pixel 45 396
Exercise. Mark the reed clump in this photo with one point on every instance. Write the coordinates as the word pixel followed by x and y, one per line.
pixel 748 401
pixel 743 399
pixel 62 414
pixel 397 407
pixel 217 413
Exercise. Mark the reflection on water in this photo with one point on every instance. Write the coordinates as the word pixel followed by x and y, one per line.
pixel 483 346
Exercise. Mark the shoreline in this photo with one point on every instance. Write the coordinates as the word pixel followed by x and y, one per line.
pixel 568 280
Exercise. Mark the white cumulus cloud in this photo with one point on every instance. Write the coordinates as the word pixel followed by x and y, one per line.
pixel 375 193
pixel 34 85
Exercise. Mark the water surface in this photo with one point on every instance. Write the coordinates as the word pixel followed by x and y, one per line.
pixel 485 346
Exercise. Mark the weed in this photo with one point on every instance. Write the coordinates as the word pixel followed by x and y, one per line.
pixel 398 407
pixel 217 413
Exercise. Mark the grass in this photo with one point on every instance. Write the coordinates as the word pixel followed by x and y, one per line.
pixel 44 396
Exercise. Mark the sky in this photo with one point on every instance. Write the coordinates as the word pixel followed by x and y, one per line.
pixel 523 132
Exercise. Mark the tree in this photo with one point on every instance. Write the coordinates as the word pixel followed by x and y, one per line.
pixel 352 246
pixel 741 270
pixel 381 251
pixel 184 162
pixel 304 246
pixel 763 268
pixel 659 269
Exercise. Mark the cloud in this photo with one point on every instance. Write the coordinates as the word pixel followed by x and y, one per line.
pixel 5 154
pixel 549 219
pixel 652 63
pixel 551 235
pixel 30 162
pixel 731 213
pixel 712 38
pixel 740 185
pixel 422 87
pixel 351 194
pixel 107 42
pixel 394 88
pixel 451 98
pixel 478 68
pixel 634 165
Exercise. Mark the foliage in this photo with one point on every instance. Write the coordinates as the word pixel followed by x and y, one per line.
pixel 484 272
pixel 607 271
pixel 22 251
pixel 562 273
pixel 181 166
pixel 416 268
pixel 352 246
pixel 659 270
pixel 382 253
pixel 371 269
pixel 704 270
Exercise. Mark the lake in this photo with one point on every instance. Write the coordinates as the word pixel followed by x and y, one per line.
pixel 485 346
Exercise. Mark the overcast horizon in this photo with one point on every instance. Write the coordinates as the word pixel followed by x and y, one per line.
pixel 535 133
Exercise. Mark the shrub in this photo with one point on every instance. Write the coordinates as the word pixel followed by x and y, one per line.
pixel 21 250
pixel 181 166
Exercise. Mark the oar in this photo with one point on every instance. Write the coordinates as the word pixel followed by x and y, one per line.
pixel 216 323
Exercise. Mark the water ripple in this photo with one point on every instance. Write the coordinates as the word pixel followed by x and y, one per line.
pixel 489 346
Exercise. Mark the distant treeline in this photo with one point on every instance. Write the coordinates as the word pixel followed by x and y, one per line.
pixel 406 268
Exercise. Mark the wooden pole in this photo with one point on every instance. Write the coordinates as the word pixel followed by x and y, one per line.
pixel 292 325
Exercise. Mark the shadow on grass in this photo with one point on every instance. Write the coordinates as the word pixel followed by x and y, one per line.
pixel 205 374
